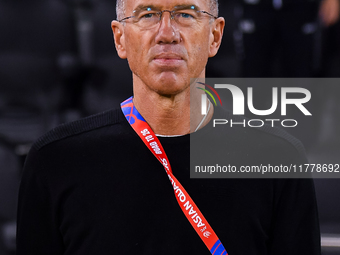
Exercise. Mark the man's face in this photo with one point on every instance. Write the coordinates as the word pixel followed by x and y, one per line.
pixel 166 56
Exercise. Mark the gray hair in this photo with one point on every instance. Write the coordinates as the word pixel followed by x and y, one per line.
pixel 121 7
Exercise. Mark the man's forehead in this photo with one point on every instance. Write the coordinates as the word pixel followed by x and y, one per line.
pixel 165 4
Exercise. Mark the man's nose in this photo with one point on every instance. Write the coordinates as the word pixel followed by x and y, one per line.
pixel 167 32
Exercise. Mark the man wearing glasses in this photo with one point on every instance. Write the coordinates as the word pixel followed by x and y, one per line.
pixel 118 182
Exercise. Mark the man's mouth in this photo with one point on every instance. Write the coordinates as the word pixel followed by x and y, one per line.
pixel 168 59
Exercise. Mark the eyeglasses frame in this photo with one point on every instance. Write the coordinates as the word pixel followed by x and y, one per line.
pixel 160 13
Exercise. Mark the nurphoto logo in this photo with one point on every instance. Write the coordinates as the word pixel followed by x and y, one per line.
pixel 238 99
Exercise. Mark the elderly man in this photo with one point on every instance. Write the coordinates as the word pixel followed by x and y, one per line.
pixel 95 186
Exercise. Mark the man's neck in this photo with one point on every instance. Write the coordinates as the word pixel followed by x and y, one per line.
pixel 177 114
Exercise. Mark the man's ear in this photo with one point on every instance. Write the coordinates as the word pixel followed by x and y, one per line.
pixel 119 38
pixel 216 36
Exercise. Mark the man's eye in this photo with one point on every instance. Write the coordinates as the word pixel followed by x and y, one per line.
pixel 147 16
pixel 186 15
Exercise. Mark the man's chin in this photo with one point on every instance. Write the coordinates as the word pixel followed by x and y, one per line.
pixel 171 84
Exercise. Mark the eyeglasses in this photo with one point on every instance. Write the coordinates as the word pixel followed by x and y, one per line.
pixel 148 17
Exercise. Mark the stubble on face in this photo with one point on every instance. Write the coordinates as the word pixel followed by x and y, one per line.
pixel 165 58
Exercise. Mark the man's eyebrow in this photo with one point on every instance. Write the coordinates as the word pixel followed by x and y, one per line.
pixel 143 7
pixel 187 7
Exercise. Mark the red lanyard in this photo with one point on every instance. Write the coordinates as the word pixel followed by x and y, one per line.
pixel 189 208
